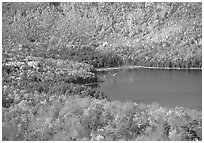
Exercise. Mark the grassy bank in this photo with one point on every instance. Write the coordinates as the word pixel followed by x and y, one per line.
pixel 51 51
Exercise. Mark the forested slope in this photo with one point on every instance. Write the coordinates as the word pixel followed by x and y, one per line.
pixel 108 34
pixel 50 52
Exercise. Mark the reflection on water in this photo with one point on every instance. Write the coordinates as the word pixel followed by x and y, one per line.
pixel 167 87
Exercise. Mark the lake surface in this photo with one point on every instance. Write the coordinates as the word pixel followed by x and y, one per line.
pixel 169 88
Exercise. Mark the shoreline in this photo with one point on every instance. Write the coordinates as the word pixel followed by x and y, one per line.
pixel 142 67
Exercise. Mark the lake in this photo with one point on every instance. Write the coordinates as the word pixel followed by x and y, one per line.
pixel 169 88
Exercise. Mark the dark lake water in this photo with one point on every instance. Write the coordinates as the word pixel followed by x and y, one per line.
pixel 169 88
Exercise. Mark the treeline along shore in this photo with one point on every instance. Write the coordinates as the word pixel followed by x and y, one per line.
pixel 51 50
pixel 143 67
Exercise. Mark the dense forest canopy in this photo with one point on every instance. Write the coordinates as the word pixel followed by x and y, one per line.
pixel 52 50
pixel 138 33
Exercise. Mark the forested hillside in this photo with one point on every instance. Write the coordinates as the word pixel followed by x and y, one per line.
pixel 108 34
pixel 50 53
